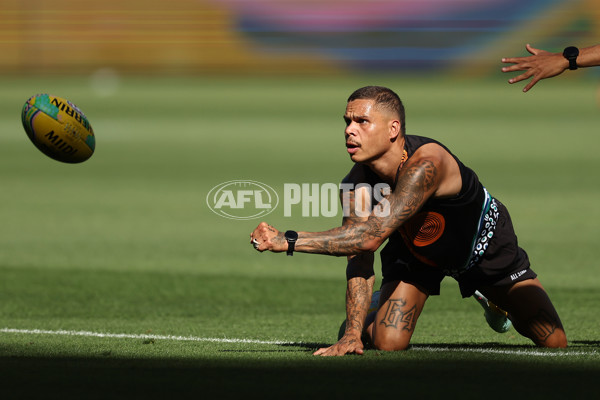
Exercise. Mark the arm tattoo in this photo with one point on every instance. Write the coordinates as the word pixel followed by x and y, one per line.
pixel 359 265
pixel 414 186
pixel 358 297
pixel 399 316
pixel 359 273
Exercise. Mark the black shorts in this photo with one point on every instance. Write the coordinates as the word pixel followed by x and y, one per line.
pixel 503 263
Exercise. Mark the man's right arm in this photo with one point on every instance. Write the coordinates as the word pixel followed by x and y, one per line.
pixel 358 295
pixel 360 277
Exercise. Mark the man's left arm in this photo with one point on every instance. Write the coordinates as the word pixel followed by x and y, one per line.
pixel 418 180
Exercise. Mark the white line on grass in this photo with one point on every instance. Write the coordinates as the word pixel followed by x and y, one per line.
pixel 278 342
pixel 139 336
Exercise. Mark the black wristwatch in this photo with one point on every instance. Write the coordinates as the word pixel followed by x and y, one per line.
pixel 291 237
pixel 571 53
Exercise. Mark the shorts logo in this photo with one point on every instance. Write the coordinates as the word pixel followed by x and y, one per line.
pixel 518 275
pixel 242 199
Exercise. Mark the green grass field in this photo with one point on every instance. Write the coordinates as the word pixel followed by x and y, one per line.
pixel 124 244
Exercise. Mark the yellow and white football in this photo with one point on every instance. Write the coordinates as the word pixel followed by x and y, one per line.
pixel 58 128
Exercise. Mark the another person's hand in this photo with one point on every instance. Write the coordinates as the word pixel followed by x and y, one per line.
pixel 540 65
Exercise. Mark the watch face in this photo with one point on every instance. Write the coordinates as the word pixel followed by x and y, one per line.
pixel 291 235
pixel 571 52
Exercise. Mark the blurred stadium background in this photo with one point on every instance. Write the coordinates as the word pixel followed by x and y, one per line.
pixel 284 36
pixel 187 94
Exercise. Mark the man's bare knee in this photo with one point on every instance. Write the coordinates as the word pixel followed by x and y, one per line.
pixel 387 343
pixel 560 342
pixel 557 340
pixel 389 337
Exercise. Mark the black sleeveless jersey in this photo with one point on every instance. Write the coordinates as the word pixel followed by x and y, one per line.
pixel 444 232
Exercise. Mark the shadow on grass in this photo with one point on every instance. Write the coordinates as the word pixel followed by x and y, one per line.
pixel 301 346
pixel 423 374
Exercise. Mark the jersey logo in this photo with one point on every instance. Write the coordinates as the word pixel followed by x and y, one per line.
pixel 423 229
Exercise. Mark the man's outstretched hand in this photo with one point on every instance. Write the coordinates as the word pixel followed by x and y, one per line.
pixel 267 238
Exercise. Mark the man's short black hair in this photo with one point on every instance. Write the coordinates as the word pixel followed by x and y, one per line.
pixel 384 98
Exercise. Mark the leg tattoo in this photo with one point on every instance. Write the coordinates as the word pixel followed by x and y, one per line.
pixel 542 326
pixel 397 314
